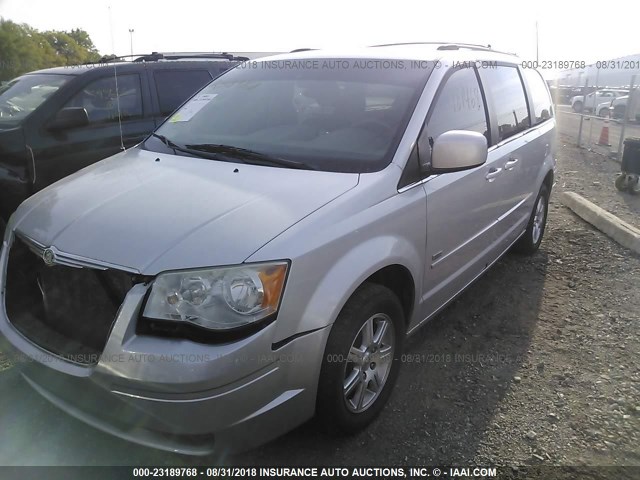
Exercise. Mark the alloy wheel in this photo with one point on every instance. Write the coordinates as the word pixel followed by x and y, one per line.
pixel 368 363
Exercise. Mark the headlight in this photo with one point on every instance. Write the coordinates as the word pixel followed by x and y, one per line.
pixel 218 298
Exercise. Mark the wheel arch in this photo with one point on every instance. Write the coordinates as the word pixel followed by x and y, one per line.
pixel 399 280
pixel 388 260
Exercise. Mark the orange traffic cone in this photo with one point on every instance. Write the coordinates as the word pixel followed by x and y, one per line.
pixel 604 134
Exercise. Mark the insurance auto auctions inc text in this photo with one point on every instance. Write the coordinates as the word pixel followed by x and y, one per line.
pixel 379 472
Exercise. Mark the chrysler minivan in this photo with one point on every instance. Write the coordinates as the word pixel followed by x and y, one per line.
pixel 261 257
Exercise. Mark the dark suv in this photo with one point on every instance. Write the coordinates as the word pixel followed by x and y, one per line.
pixel 56 121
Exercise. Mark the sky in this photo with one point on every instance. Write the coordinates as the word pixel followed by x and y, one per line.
pixel 567 30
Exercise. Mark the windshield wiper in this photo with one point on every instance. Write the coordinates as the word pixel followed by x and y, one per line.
pixel 179 148
pixel 249 156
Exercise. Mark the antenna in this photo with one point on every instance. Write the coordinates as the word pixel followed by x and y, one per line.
pixel 537 42
pixel 115 76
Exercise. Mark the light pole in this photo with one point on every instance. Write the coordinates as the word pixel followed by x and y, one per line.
pixel 131 30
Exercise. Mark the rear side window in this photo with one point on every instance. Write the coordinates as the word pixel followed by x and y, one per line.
pixel 175 86
pixel 101 102
pixel 507 94
pixel 540 98
pixel 459 106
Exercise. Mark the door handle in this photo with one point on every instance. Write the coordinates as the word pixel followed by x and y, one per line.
pixel 512 162
pixel 493 173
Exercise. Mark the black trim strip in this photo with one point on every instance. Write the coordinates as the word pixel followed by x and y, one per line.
pixel 278 345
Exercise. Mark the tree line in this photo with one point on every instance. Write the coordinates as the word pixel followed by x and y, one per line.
pixel 25 49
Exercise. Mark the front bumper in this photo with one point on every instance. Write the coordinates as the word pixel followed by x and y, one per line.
pixel 174 394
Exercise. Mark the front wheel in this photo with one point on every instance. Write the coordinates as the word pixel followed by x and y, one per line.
pixel 530 241
pixel 361 360
pixel 618 112
pixel 577 107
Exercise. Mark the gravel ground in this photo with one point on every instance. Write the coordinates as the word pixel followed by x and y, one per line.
pixel 4 362
pixel 536 364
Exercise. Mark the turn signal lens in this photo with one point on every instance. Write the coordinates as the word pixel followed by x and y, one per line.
pixel 272 282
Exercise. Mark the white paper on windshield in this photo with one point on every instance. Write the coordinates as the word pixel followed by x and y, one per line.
pixel 196 104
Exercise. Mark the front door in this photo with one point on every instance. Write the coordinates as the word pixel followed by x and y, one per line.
pixel 114 121
pixel 462 207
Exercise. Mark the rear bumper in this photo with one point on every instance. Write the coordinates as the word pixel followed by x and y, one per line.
pixel 174 394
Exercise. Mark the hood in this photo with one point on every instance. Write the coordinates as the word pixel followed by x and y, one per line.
pixel 153 212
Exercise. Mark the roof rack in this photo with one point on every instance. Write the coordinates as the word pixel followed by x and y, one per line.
pixel 155 56
pixel 448 46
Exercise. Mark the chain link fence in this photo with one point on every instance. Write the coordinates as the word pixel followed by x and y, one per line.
pixel 601 120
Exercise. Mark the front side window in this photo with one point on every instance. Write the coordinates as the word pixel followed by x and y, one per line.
pixel 507 94
pixel 542 106
pixel 102 103
pixel 23 95
pixel 343 115
pixel 174 87
pixel 459 106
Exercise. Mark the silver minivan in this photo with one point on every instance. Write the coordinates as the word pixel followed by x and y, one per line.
pixel 261 258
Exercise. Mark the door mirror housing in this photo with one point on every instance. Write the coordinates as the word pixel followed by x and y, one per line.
pixel 458 150
pixel 72 117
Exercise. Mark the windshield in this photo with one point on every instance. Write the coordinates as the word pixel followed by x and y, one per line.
pixel 22 95
pixel 332 115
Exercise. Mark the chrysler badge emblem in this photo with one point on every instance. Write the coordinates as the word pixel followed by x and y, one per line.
pixel 49 257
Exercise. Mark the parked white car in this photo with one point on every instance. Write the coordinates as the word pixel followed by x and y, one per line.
pixel 620 105
pixel 579 104
pixel 604 109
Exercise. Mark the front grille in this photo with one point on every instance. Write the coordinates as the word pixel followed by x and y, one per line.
pixel 67 311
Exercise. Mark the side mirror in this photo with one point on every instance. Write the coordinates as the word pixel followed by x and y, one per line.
pixel 72 117
pixel 458 150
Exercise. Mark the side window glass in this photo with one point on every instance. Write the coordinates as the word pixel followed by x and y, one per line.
pixel 175 86
pixel 459 106
pixel 100 100
pixel 507 94
pixel 542 106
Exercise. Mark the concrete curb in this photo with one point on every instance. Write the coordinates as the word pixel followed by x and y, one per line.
pixel 623 233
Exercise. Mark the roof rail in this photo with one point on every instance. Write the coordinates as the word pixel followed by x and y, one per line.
pixel 448 46
pixel 302 50
pixel 155 56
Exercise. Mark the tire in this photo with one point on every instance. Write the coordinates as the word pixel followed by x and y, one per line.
pixel 3 226
pixel 618 111
pixel 634 186
pixel 340 412
pixel 529 242
pixel 577 107
pixel 622 183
